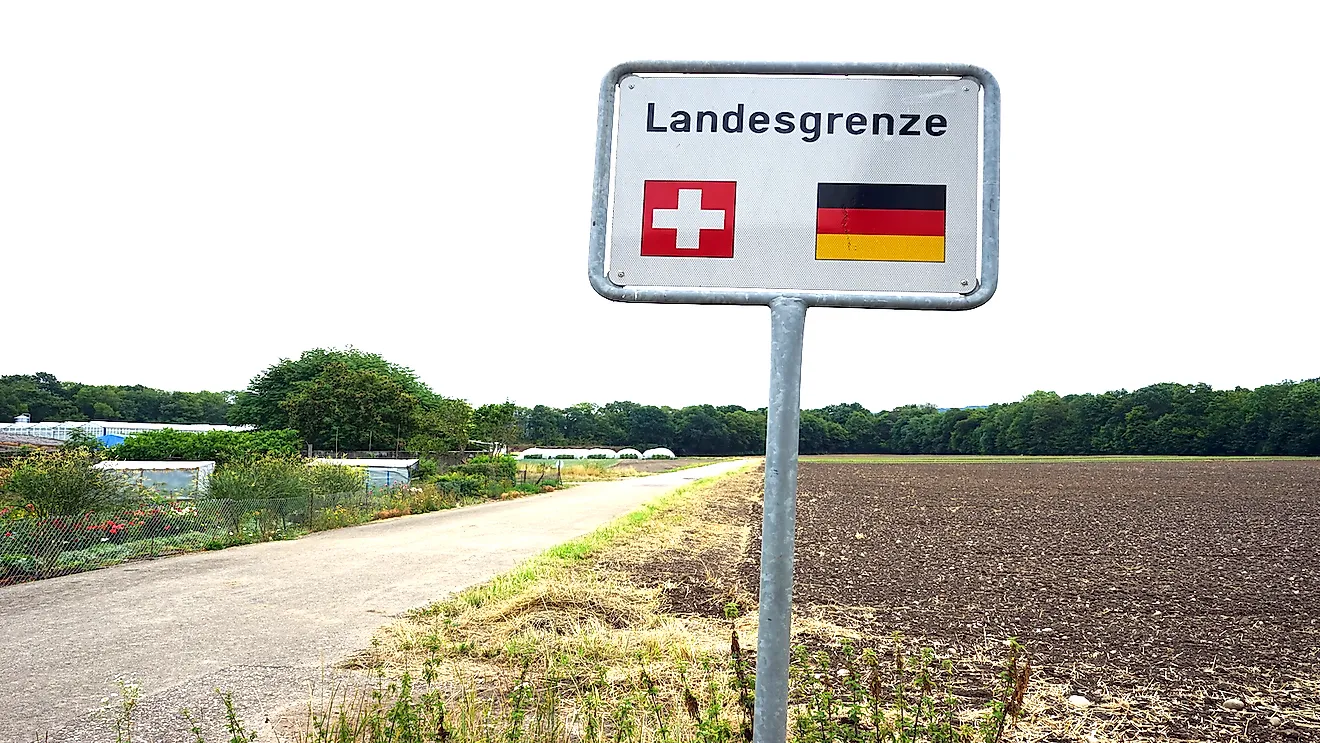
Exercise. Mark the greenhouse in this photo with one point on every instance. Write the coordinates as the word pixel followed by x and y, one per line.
pixel 97 429
pixel 381 473
pixel 658 453
pixel 166 477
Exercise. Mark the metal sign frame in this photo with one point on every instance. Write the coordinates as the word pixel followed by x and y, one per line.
pixel 988 281
pixel 788 316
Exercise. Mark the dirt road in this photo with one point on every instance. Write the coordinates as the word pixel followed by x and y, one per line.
pixel 262 620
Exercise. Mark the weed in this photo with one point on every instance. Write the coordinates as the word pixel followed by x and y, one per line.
pixel 122 709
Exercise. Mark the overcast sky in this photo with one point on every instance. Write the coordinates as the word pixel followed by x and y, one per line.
pixel 190 191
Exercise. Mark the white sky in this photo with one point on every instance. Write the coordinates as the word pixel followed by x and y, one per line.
pixel 189 191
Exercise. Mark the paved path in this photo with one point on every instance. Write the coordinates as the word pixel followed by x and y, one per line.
pixel 263 619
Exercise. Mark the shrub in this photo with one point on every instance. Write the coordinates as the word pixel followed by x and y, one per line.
pixel 533 456
pixel 220 447
pixel 461 485
pixel 494 468
pixel 427 468
pixel 264 478
pixel 333 479
pixel 628 456
pixel 64 483
pixel 565 456
pixel 599 456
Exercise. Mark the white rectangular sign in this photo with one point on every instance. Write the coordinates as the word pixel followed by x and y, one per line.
pixel 796 183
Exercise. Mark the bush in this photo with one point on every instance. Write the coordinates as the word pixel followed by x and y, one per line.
pixel 265 478
pixel 333 479
pixel 494 468
pixel 599 456
pixel 533 456
pixel 427 468
pixel 565 456
pixel 628 456
pixel 64 483
pixel 461 485
pixel 220 447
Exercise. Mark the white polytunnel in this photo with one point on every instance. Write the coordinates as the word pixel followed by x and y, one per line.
pixel 381 473
pixel 658 453
pixel 629 454
pixel 167 477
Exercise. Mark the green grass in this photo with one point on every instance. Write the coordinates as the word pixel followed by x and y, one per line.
pixel 1011 459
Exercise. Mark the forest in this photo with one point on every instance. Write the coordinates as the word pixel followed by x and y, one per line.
pixel 356 400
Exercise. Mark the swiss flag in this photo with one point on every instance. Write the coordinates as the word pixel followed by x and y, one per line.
pixel 688 218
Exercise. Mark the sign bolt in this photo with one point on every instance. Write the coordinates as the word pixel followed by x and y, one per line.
pixel 620 275
pixel 964 282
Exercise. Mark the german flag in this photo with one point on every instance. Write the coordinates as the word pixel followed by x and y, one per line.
pixel 880 222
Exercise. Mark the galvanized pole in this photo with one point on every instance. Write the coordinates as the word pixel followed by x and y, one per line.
pixel 788 318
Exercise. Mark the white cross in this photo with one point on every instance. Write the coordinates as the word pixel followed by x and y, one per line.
pixel 689 219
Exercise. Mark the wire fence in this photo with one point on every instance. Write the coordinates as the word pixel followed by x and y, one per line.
pixel 36 546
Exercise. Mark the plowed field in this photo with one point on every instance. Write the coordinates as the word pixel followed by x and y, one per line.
pixel 1158 590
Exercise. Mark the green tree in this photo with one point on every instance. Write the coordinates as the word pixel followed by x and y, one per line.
pixel 649 427
pixel 351 408
pixel 351 399
pixel 544 426
pixel 496 423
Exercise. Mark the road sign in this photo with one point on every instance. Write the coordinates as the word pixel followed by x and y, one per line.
pixel 842 183
pixel 795 185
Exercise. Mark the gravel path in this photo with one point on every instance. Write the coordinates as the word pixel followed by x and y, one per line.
pixel 262 620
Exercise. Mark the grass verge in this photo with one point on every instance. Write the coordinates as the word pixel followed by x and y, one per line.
pixel 635 632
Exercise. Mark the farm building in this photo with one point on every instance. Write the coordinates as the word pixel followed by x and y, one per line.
pixel 98 429
pixel 381 473
pixel 12 444
pixel 170 477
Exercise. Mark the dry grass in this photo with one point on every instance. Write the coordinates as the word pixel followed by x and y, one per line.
pixel 574 620
pixel 606 622
pixel 578 606
pixel 579 470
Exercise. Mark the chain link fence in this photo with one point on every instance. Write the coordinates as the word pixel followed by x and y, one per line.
pixel 34 546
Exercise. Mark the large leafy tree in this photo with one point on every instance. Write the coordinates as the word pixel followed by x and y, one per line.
pixel 351 399
pixel 497 423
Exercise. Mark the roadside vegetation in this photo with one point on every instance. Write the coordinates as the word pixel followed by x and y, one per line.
pixel 587 643
pixel 61 514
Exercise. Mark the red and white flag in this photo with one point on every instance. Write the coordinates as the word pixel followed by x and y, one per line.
pixel 688 218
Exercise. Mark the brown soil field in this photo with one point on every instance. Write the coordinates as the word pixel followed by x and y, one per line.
pixel 1157 590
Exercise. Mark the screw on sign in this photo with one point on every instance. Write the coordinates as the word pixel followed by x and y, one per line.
pixel 793 186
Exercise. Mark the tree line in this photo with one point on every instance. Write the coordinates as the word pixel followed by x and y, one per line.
pixel 1174 419
pixel 46 398
pixel 349 399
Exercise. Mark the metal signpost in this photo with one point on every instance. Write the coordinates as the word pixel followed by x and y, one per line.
pixel 795 186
